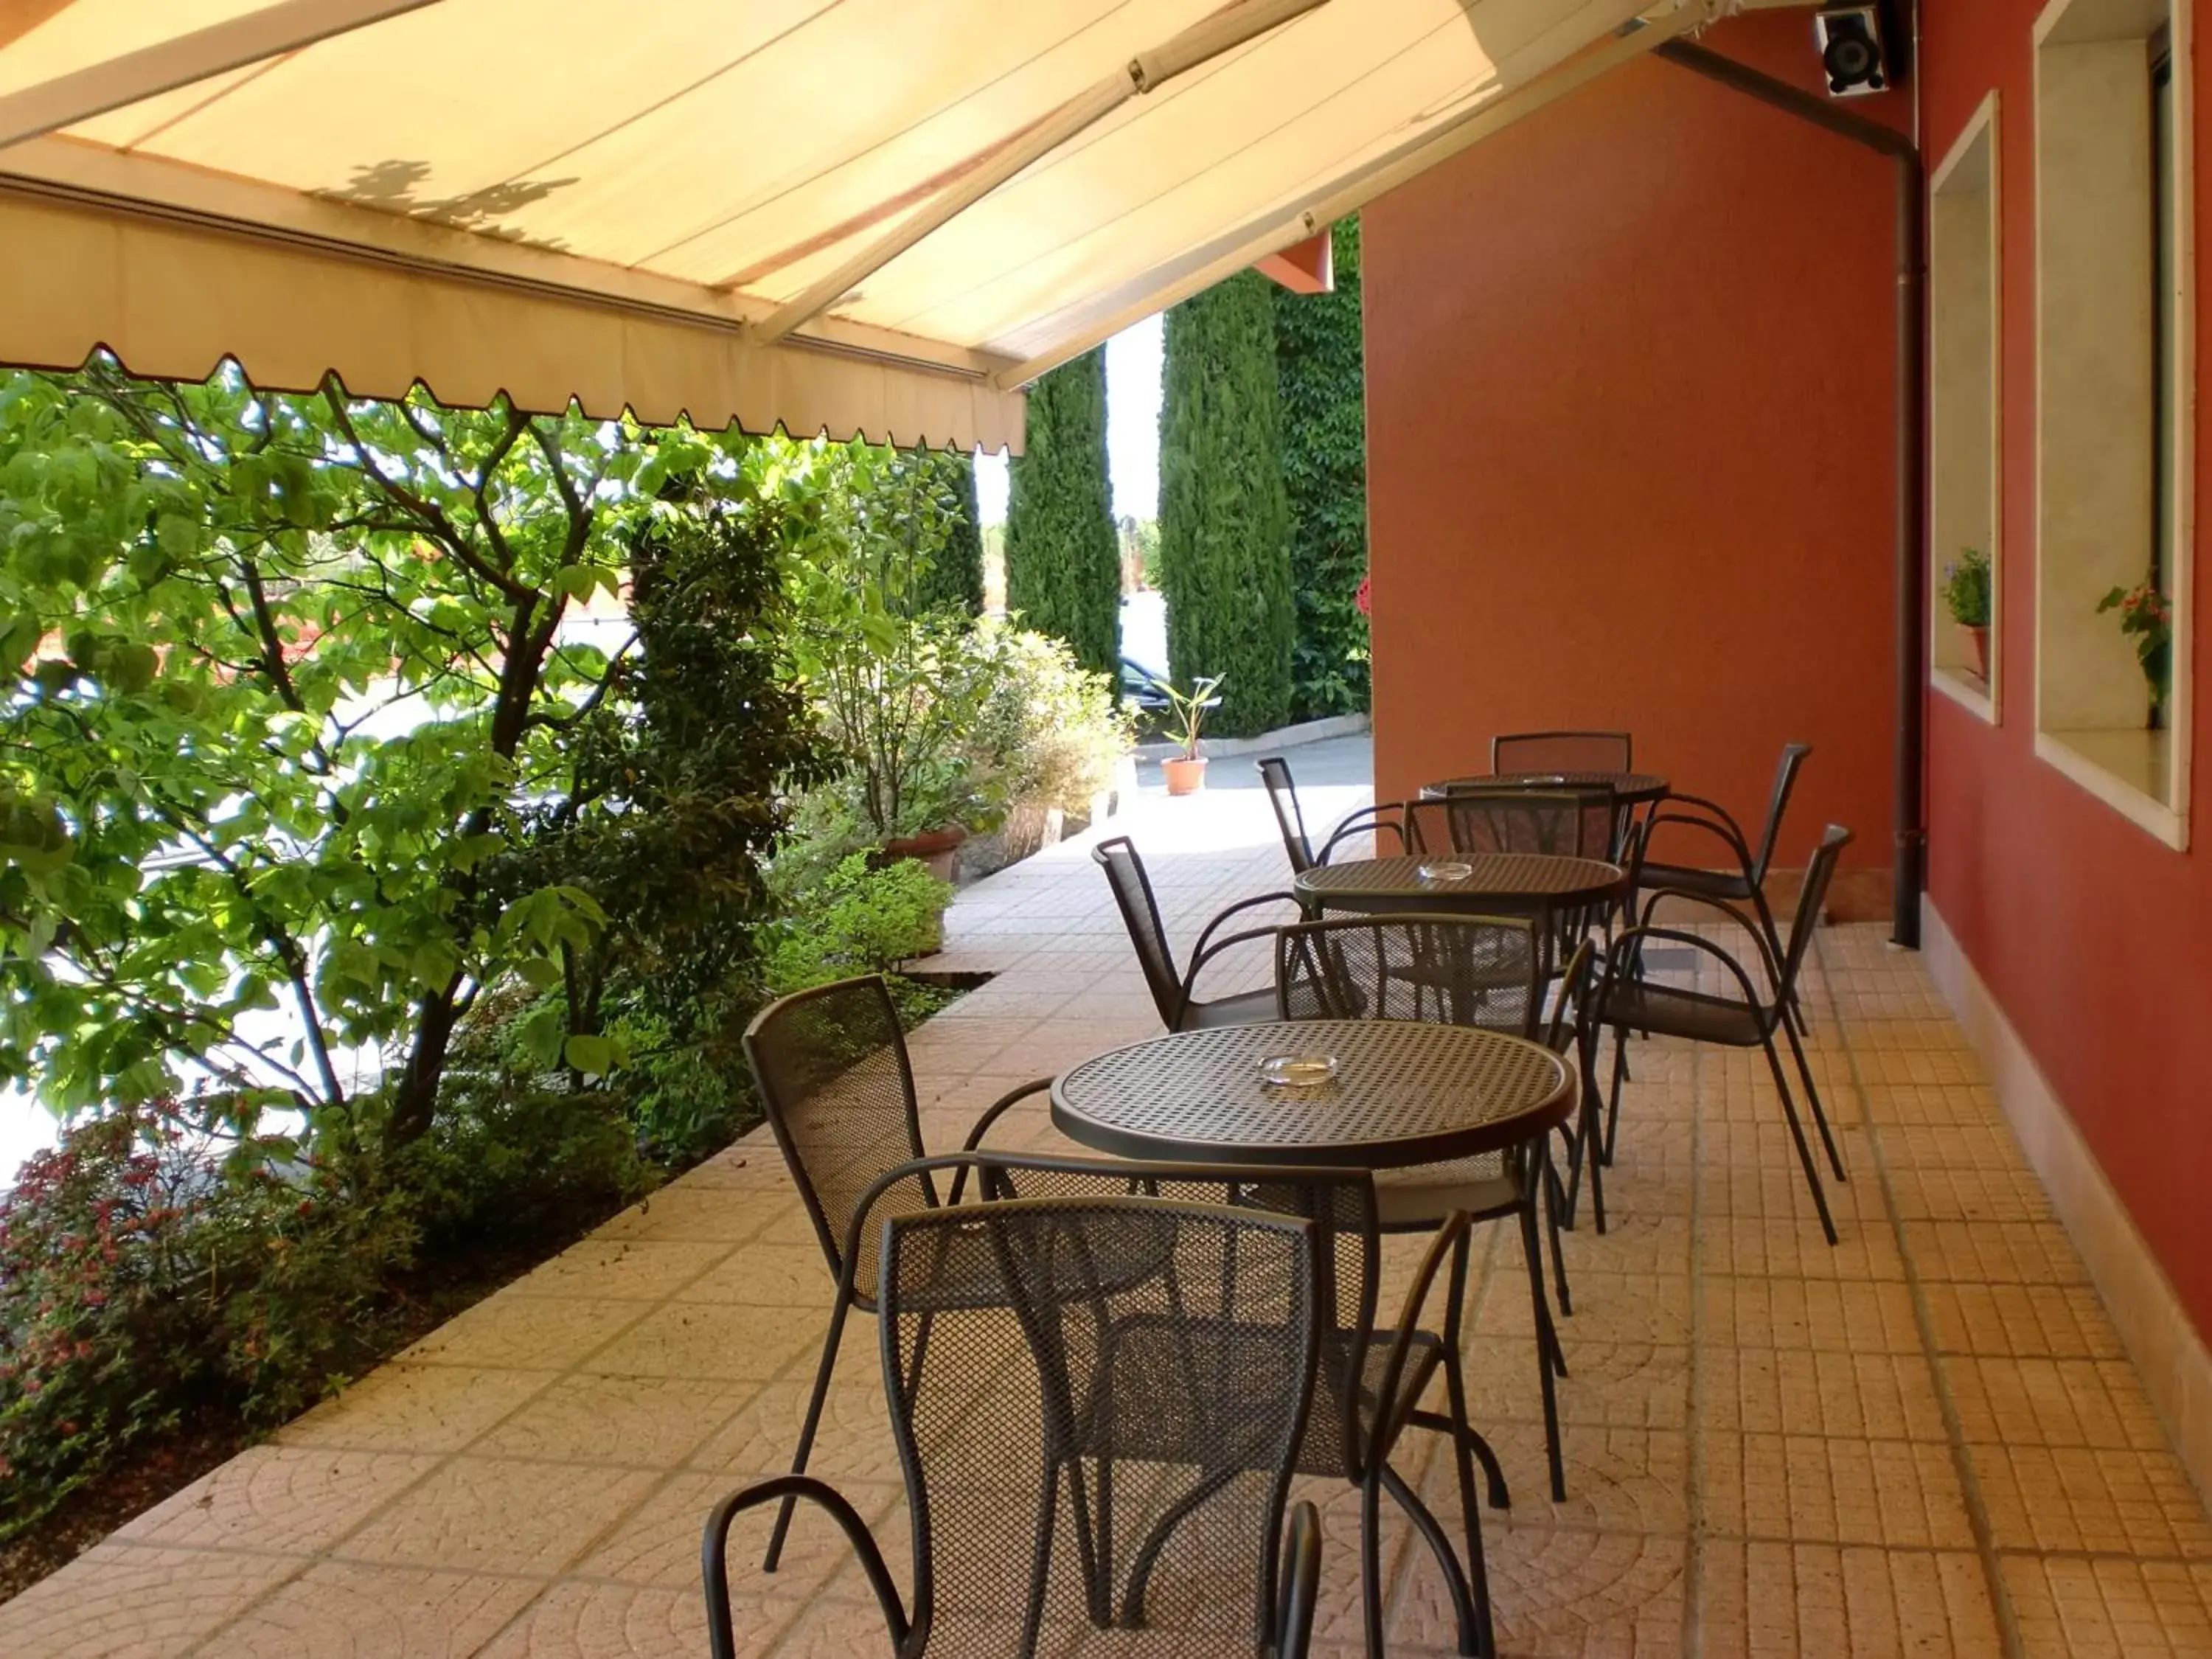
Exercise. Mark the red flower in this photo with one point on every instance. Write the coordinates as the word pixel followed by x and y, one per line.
pixel 1364 598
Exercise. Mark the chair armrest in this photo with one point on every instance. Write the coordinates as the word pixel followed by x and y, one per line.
pixel 1713 807
pixel 1392 1413
pixel 1298 1582
pixel 1727 833
pixel 1374 822
pixel 992 1114
pixel 1757 934
pixel 1628 946
pixel 713 1551
pixel 1573 987
pixel 1205 946
pixel 1210 947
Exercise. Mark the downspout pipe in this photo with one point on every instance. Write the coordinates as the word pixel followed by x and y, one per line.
pixel 1912 420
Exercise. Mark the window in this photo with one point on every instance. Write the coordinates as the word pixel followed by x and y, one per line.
pixel 1963 310
pixel 2113 360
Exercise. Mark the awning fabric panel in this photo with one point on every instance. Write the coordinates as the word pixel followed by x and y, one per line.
pixel 171 301
pixel 727 157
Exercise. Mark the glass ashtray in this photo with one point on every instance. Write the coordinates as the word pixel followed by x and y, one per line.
pixel 1445 870
pixel 1297 1071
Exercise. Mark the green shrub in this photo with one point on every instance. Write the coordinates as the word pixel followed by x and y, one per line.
pixel 1048 731
pixel 954 577
pixel 1225 519
pixel 1063 554
pixel 860 919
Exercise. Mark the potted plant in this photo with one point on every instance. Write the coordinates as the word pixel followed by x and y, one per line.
pixel 2147 617
pixel 1966 596
pixel 1186 773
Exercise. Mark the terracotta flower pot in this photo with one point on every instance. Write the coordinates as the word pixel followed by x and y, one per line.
pixel 936 849
pixel 1185 776
pixel 1978 649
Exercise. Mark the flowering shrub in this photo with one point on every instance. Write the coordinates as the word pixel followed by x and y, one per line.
pixel 141 1281
pixel 2147 617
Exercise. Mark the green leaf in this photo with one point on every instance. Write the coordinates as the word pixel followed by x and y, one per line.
pixel 594 1056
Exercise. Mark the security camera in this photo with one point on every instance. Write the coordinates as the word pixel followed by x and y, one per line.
pixel 1851 51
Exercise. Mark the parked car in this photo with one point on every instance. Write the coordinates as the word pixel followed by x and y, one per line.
pixel 1139 688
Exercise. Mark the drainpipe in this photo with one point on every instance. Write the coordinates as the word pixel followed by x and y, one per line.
pixel 1912 835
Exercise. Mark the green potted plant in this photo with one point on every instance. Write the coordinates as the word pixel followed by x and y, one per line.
pixel 1186 773
pixel 2147 617
pixel 1966 596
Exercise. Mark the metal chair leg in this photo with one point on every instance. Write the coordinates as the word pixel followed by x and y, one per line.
pixel 1797 1134
pixel 1554 1202
pixel 1812 1095
pixel 1774 943
pixel 1547 1344
pixel 1612 1106
pixel 822 1374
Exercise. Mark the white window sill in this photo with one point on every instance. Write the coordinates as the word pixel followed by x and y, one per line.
pixel 1967 689
pixel 2129 770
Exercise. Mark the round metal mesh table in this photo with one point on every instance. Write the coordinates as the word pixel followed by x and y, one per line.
pixel 1628 788
pixel 1404 1091
pixel 1496 883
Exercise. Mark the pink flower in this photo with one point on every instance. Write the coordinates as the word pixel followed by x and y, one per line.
pixel 1364 598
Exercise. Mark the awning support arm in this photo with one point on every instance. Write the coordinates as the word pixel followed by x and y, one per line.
pixel 1912 422
pixel 99 88
pixel 1200 44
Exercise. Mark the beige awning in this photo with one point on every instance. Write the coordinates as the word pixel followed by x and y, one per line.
pixel 877 216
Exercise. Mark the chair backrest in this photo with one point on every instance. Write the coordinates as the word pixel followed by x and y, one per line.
pixel 1450 970
pixel 1283 796
pixel 1564 822
pixel 1810 898
pixel 1562 751
pixel 1785 779
pixel 1098 1404
pixel 1141 915
pixel 1340 1203
pixel 834 1076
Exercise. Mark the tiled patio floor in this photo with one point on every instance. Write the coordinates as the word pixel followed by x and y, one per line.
pixel 1926 1441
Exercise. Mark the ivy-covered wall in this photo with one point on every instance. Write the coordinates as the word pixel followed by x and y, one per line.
pixel 1319 368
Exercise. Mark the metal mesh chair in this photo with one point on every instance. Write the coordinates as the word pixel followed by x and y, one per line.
pixel 1629 999
pixel 1460 970
pixel 1098 1404
pixel 1580 823
pixel 1745 883
pixel 838 1090
pixel 1291 819
pixel 1172 990
pixel 1371 1380
pixel 1562 751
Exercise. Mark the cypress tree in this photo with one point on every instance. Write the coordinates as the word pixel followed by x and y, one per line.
pixel 1319 370
pixel 1063 557
pixel 955 577
pixel 1225 519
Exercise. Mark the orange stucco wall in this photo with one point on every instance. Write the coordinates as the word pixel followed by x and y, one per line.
pixel 2095 937
pixel 1629 437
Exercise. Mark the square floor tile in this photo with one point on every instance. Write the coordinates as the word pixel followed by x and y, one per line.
pixel 378 1613
pixel 500 1515
pixel 1899 1493
pixel 289 1500
pixel 1757 1600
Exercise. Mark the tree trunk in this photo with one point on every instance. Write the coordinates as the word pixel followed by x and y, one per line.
pixel 415 1103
